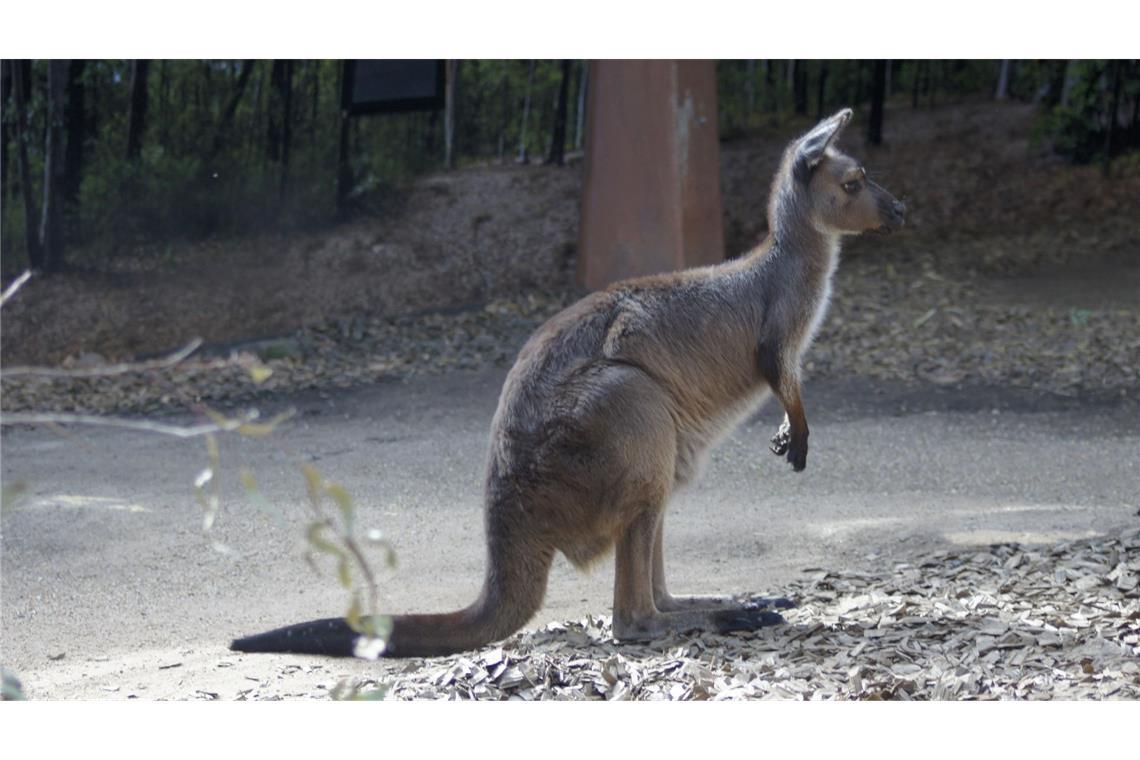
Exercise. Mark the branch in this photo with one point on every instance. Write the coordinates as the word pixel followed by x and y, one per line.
pixel 243 425
pixel 178 431
pixel 112 369
pixel 16 285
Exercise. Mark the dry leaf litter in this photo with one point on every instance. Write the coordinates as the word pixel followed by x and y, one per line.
pixel 887 323
pixel 1001 622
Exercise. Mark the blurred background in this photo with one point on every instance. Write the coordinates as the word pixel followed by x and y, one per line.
pixel 151 153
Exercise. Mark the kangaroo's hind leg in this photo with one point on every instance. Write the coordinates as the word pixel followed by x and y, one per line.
pixel 666 602
pixel 636 615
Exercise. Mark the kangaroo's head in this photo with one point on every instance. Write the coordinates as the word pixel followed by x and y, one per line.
pixel 829 189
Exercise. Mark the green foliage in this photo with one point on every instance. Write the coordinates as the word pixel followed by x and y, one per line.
pixel 1079 123
pixel 10 689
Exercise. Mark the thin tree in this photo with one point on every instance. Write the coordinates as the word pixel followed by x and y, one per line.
pixel 557 154
pixel 526 113
pixel 800 87
pixel 51 219
pixel 1002 91
pixel 878 90
pixel 916 79
pixel 279 122
pixel 76 121
pixel 932 80
pixel 5 131
pixel 287 126
pixel 343 165
pixel 583 84
pixel 504 108
pixel 136 118
pixel 820 102
pixel 314 104
pixel 750 89
pixel 1114 109
pixel 449 113
pixel 273 120
pixel 21 84
pixel 226 119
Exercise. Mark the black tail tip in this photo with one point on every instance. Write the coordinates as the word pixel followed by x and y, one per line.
pixel 331 637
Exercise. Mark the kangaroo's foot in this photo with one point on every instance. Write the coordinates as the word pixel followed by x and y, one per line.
pixel 729 620
pixel 670 603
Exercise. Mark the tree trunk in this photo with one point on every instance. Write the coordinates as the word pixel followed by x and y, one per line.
pixel 136 119
pixel 583 84
pixel 76 133
pixel 820 102
pixel 1135 104
pixel 750 87
pixel 504 111
pixel 1002 91
pixel 286 128
pixel 5 130
pixel 557 154
pixel 343 165
pixel 1069 81
pixel 525 114
pixel 878 90
pixel 227 117
pixel 449 114
pixel 163 102
pixel 887 89
pixel 1112 113
pixel 273 121
pixel 916 74
pixel 800 81
pixel 51 220
pixel 21 84
pixel 931 80
pixel 314 105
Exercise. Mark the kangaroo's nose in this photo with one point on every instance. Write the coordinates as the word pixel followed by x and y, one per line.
pixel 900 208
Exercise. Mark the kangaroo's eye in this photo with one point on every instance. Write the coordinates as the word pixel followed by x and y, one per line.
pixel 852 186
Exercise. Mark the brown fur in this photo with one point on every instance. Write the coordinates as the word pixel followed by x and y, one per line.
pixel 613 403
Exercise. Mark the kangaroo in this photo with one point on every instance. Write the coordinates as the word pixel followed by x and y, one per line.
pixel 612 404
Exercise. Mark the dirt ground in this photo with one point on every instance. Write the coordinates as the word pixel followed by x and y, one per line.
pixel 985 203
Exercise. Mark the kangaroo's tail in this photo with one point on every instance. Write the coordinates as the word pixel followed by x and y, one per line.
pixel 512 593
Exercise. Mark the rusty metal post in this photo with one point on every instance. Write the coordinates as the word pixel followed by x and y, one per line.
pixel 651 197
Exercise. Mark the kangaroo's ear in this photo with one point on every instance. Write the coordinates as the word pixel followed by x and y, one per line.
pixel 812 146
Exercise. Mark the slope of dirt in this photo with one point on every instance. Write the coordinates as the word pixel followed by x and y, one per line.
pixel 457 239
pixel 983 200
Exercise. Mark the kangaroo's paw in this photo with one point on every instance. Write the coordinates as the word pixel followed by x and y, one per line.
pixel 745 620
pixel 762 602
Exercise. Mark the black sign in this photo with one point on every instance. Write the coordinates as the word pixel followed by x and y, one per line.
pixel 387 86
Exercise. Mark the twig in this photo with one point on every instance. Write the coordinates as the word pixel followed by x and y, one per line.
pixel 16 285
pixel 106 371
pixel 178 431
